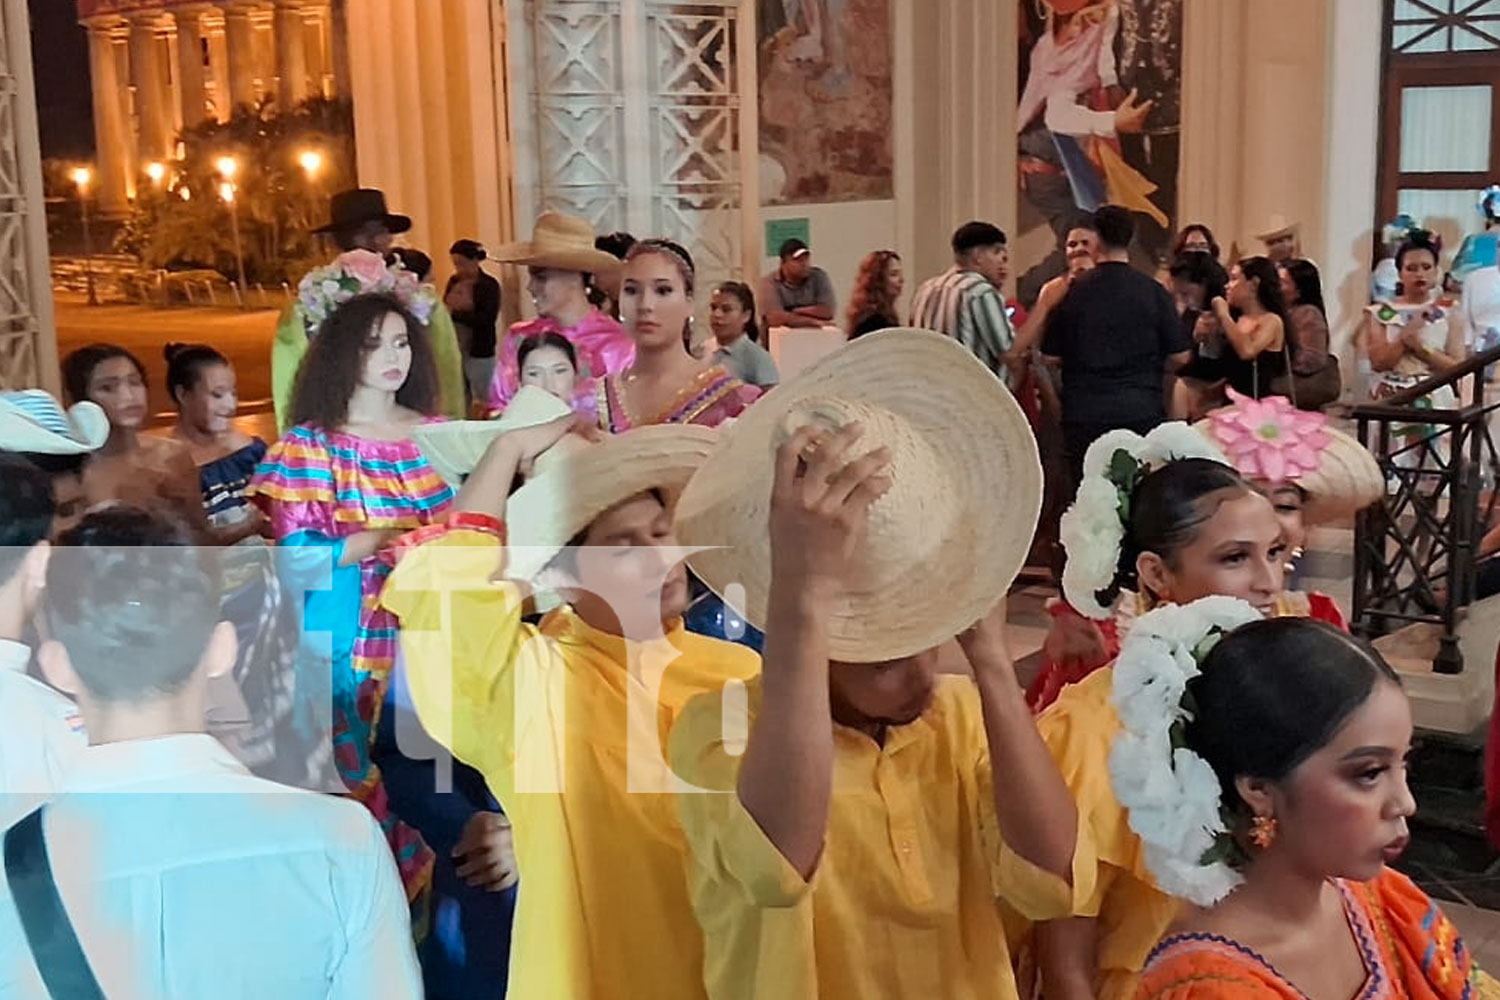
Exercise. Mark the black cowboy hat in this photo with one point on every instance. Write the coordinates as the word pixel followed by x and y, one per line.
pixel 352 209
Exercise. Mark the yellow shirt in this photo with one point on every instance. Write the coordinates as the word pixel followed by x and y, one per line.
pixel 904 900
pixel 1133 914
pixel 572 743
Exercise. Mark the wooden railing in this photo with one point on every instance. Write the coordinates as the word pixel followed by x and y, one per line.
pixel 1416 550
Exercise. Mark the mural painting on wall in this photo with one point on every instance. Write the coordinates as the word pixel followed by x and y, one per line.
pixel 825 100
pixel 1099 119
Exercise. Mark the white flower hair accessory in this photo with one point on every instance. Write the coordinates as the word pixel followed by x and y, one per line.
pixel 1093 528
pixel 360 272
pixel 1171 796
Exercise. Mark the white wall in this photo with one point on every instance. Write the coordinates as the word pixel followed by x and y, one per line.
pixel 840 235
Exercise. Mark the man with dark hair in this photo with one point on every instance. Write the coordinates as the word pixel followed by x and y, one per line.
pixel 1115 336
pixel 797 293
pixel 965 301
pixel 40 729
pixel 191 874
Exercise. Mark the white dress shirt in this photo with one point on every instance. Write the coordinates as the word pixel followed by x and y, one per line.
pixel 40 731
pixel 186 877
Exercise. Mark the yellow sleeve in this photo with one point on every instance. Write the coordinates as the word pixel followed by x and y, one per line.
pixel 1078 729
pixel 1029 890
pixel 467 651
pixel 727 847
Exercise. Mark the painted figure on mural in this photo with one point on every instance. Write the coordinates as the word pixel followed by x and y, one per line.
pixel 1099 117
pixel 825 100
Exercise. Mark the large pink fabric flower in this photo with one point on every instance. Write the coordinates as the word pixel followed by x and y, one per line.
pixel 365 265
pixel 1269 439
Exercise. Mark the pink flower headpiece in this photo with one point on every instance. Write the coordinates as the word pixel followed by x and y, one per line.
pixel 1269 439
pixel 360 272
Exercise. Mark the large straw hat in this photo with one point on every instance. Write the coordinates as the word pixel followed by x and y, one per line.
pixel 559 241
pixel 1336 472
pixel 454 447
pixel 565 497
pixel 32 421
pixel 947 539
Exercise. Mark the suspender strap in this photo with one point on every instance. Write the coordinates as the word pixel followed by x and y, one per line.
pixel 54 944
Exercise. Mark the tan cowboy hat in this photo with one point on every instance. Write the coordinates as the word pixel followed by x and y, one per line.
pixel 559 241
pixel 1279 227
pixel 947 540
pixel 454 447
pixel 32 421
pixel 566 496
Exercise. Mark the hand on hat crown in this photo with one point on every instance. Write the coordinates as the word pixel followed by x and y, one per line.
pixel 820 506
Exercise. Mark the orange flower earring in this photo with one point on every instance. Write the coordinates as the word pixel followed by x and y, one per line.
pixel 1263 831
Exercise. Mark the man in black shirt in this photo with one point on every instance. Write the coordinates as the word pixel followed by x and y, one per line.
pixel 1114 336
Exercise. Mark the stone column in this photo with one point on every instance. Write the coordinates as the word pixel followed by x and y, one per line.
pixel 153 113
pixel 338 41
pixel 113 180
pixel 239 31
pixel 291 54
pixel 191 78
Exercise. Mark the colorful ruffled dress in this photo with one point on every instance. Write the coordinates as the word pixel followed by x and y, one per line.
pixel 1054 675
pixel 1411 951
pixel 318 488
pixel 602 345
pixel 712 397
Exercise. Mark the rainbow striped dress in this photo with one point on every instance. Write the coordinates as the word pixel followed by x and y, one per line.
pixel 317 488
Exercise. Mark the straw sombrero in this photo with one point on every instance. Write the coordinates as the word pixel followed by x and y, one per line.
pixel 1344 478
pixel 565 497
pixel 559 241
pixel 948 538
pixel 1278 227
pixel 454 447
pixel 32 421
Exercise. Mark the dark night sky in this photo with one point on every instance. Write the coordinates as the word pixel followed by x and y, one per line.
pixel 60 57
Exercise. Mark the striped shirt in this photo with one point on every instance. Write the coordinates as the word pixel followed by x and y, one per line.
pixel 965 306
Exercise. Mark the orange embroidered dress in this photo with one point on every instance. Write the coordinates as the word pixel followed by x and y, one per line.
pixel 1411 951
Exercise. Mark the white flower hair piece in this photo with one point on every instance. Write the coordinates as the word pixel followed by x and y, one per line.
pixel 359 272
pixel 1172 798
pixel 1093 527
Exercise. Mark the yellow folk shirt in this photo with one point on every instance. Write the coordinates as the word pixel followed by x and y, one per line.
pixel 905 900
pixel 566 736
pixel 1132 913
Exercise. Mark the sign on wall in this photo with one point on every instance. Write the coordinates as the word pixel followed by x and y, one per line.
pixel 825 101
pixel 778 231
pixel 1099 119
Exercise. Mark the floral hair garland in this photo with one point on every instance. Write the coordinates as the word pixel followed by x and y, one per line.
pixel 360 272
pixel 1093 528
pixel 1171 795
pixel 1270 439
pixel 1396 231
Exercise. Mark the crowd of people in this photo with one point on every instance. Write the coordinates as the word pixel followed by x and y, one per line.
pixel 592 658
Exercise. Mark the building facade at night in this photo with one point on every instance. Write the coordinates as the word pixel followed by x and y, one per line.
pixel 159 66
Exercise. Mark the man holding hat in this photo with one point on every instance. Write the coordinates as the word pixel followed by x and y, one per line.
pixel 360 221
pixel 568 721
pixel 797 294
pixel 864 840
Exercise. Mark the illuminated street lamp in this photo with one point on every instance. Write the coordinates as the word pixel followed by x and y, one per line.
pixel 157 172
pixel 228 166
pixel 312 163
pixel 81 177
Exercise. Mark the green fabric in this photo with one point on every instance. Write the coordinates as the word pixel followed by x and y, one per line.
pixel 291 344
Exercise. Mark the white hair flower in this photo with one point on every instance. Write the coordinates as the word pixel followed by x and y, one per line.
pixel 1093 528
pixel 1171 795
